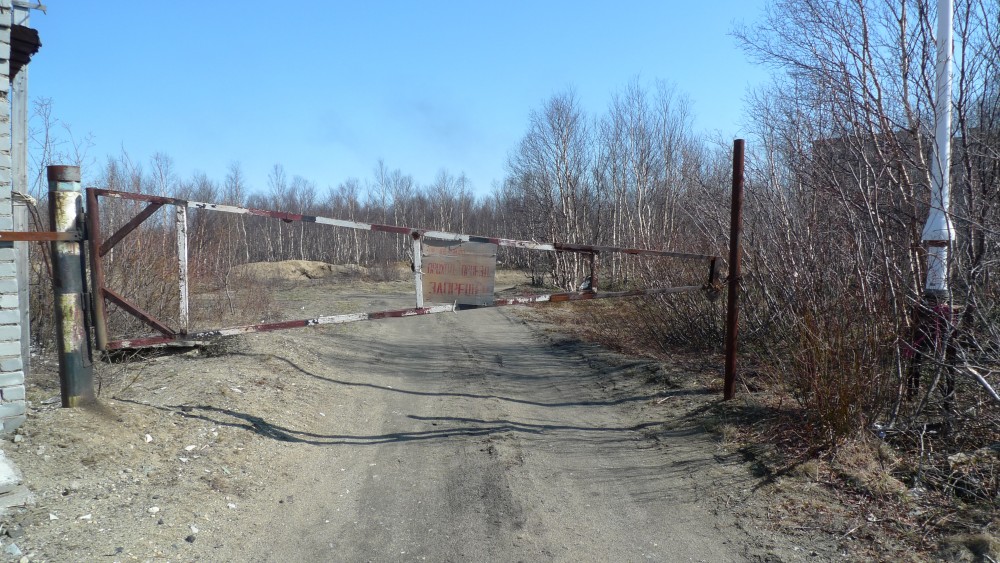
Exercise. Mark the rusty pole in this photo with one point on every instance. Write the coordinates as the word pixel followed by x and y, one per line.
pixel 76 373
pixel 96 270
pixel 735 270
pixel 593 272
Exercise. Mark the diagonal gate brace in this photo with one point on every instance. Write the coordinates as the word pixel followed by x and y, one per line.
pixel 129 227
pixel 136 311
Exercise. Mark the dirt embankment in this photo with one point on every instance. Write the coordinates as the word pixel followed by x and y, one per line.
pixel 296 270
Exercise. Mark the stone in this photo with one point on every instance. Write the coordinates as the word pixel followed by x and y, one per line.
pixel 12 378
pixel 12 347
pixel 11 331
pixel 19 497
pixel 12 423
pixel 12 363
pixel 12 393
pixel 16 408
pixel 10 475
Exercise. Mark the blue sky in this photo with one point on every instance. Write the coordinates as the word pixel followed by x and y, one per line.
pixel 326 88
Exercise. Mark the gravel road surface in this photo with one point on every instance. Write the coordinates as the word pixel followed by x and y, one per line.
pixel 479 436
pixel 474 437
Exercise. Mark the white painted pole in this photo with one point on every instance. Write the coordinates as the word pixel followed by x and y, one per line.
pixel 418 275
pixel 939 232
pixel 182 268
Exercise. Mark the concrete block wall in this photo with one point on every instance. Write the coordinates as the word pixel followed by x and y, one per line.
pixel 12 403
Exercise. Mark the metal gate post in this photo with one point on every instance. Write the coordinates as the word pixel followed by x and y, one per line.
pixel 182 268
pixel 418 274
pixel 735 270
pixel 96 270
pixel 76 372
pixel 593 272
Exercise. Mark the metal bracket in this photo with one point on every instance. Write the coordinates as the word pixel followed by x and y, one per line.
pixel 36 236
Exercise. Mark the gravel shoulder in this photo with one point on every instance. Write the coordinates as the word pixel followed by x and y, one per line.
pixel 484 435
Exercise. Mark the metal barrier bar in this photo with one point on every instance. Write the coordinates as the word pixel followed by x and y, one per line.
pixel 391 314
pixel 585 295
pixel 438 235
pixel 633 251
pixel 37 236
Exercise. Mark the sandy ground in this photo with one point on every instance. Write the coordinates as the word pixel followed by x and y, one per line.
pixel 477 436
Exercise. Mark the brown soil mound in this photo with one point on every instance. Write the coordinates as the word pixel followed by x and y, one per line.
pixel 294 270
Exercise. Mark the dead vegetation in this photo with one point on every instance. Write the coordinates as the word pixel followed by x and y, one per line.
pixel 888 494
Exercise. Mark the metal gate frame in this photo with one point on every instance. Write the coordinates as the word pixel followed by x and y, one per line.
pixel 100 246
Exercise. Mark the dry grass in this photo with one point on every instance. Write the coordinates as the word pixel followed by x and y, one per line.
pixel 905 501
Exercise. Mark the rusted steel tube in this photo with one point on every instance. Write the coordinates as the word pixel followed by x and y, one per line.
pixel 593 272
pixel 136 311
pixel 96 270
pixel 167 338
pixel 735 270
pixel 132 225
pixel 76 375
pixel 399 230
pixel 34 236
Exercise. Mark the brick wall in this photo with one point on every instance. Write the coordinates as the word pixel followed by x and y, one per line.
pixel 12 405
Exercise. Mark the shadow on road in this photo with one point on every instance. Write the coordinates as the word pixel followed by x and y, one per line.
pixel 602 403
pixel 458 427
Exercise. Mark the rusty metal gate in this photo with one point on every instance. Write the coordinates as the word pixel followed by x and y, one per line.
pixel 451 272
pixel 439 259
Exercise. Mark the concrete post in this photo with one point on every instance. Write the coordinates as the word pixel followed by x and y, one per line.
pixel 76 375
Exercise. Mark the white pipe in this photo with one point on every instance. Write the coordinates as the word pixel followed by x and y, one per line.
pixel 418 274
pixel 939 233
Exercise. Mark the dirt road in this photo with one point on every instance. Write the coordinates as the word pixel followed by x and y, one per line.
pixel 473 438
pixel 478 436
